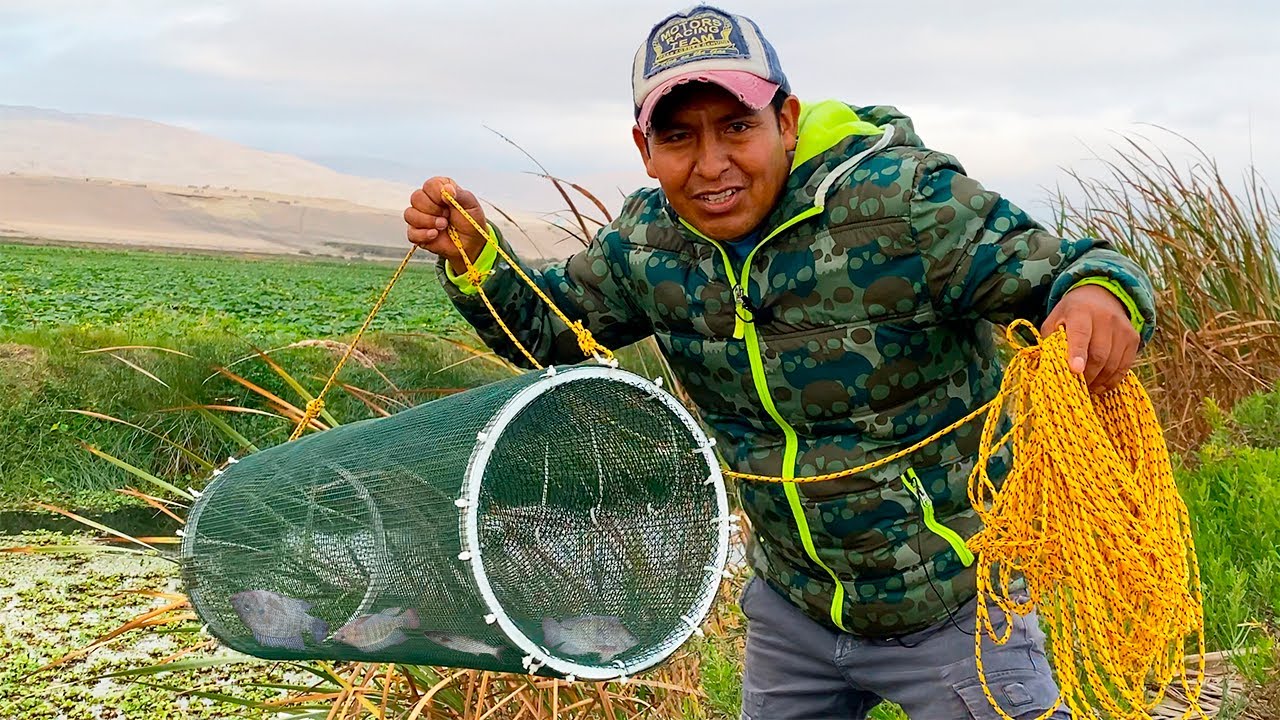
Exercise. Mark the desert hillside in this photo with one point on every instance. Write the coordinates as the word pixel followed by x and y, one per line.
pixel 104 179
pixel 34 141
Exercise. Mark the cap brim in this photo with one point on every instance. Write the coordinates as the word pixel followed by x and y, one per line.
pixel 754 91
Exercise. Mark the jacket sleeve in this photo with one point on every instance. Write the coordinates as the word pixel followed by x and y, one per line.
pixel 585 287
pixel 985 258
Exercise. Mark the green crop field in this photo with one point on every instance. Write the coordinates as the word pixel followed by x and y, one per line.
pixel 298 297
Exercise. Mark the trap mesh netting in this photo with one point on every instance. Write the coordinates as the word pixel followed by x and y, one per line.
pixel 570 522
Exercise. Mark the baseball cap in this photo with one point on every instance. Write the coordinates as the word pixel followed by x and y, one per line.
pixel 705 44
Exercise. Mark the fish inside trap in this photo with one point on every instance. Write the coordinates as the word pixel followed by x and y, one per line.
pixel 569 522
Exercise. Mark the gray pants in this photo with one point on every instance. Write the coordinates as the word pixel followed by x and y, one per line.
pixel 797 669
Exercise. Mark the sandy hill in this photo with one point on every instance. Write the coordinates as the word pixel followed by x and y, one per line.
pixel 104 179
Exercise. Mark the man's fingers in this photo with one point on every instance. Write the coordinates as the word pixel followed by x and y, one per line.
pixel 422 202
pixel 1079 334
pixel 1129 355
pixel 423 236
pixel 1099 354
pixel 434 191
pixel 1101 342
pixel 1110 373
pixel 431 201
pixel 1052 322
pixel 466 199
pixel 471 205
pixel 423 220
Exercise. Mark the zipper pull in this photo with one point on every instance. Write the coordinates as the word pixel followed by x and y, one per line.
pixel 912 483
pixel 915 486
pixel 741 315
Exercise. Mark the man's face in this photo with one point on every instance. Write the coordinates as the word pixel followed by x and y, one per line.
pixel 721 164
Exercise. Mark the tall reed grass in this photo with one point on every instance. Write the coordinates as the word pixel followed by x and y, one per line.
pixel 1212 248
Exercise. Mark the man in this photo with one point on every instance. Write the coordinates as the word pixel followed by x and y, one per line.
pixel 825 288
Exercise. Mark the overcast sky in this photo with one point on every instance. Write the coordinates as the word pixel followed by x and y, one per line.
pixel 405 89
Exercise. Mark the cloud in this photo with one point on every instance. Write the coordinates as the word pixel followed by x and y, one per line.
pixel 1016 92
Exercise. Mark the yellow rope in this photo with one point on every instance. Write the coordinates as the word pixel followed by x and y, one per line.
pixel 878 462
pixel 315 406
pixel 476 278
pixel 1090 516
pixel 586 341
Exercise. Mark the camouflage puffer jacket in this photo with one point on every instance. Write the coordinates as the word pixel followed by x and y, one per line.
pixel 861 323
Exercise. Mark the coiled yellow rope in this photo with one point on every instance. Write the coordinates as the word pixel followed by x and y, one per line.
pixel 1090 516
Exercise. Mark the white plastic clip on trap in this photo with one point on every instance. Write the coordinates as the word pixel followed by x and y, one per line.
pixel 697 626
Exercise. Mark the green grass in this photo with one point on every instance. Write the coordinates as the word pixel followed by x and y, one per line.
pixel 1233 497
pixel 42 287
pixel 56 303
pixel 1254 421
pixel 47 373
pixel 721 668
pixel 1234 502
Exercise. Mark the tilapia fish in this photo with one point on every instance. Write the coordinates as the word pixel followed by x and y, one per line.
pixel 371 633
pixel 277 620
pixel 463 644
pixel 602 635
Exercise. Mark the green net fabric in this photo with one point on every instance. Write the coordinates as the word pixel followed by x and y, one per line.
pixel 569 523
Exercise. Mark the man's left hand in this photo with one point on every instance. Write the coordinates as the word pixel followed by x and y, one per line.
pixel 1101 340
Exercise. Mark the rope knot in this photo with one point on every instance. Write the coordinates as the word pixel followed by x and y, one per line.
pixel 314 408
pixel 587 342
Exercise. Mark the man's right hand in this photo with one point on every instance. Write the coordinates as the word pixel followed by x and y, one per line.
pixel 430 216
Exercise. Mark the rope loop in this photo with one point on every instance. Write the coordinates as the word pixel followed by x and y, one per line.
pixel 1019 342
pixel 586 341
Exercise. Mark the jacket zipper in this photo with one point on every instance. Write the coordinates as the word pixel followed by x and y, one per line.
pixel 913 484
pixel 744 329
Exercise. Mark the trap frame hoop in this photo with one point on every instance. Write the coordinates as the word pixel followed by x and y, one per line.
pixel 474 481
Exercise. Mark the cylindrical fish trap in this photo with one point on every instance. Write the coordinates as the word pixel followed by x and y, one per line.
pixel 571 522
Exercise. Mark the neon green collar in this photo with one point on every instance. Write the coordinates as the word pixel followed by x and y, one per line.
pixel 825 123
